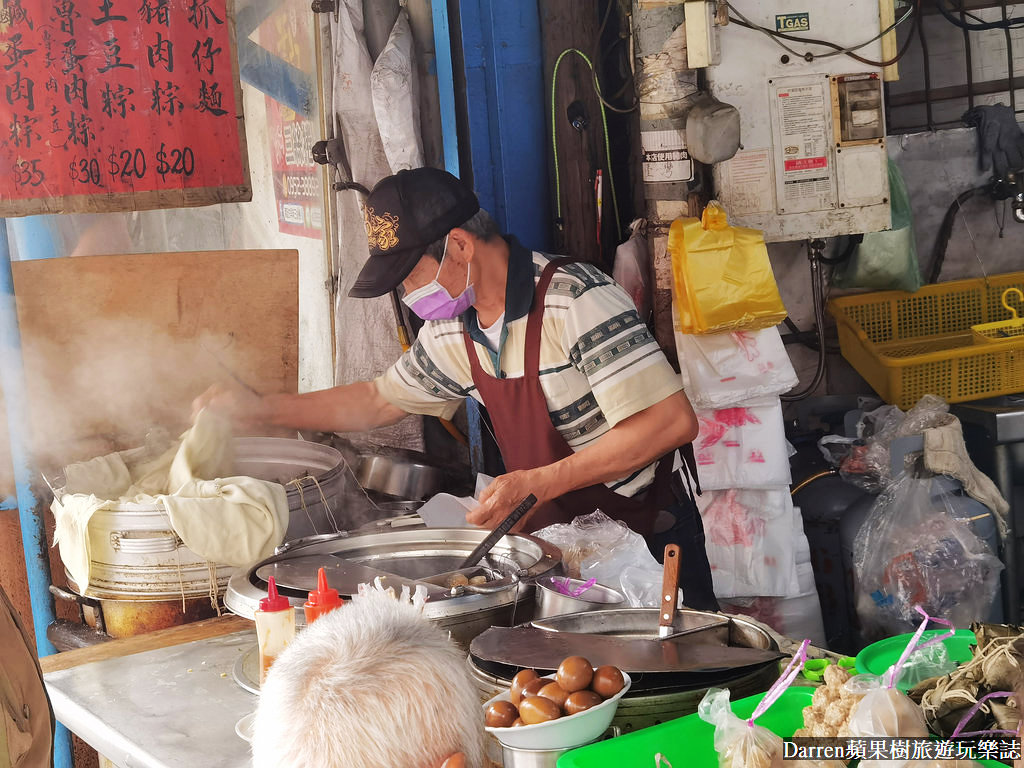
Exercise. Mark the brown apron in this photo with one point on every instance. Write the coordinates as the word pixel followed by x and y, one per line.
pixel 528 439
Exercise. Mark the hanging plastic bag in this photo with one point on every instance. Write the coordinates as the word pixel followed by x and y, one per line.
pixel 725 369
pixel 632 269
pixel 885 260
pixel 722 278
pixel 742 447
pixel 395 89
pixel 912 551
pixel 750 542
pixel 742 743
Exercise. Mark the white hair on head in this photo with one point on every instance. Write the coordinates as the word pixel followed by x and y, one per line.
pixel 370 684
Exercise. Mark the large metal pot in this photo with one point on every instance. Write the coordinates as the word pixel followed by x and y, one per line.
pixel 314 477
pixel 401 474
pixel 412 554
pixel 136 555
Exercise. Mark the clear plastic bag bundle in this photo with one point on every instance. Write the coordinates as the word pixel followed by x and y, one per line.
pixel 750 542
pixel 912 551
pixel 738 743
pixel 743 447
pixel 743 743
pixel 727 369
pixel 884 710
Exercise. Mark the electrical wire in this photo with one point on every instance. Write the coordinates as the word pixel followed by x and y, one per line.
pixel 777 37
pixel 946 231
pixel 818 300
pixel 1013 23
pixel 599 58
pixel 604 124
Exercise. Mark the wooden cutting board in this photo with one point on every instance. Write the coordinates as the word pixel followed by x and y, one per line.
pixel 163 638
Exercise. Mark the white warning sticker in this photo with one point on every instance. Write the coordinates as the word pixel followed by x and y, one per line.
pixel 804 173
pixel 747 182
pixel 665 157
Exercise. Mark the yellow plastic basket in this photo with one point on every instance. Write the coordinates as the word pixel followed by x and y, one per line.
pixel 907 345
pixel 1002 330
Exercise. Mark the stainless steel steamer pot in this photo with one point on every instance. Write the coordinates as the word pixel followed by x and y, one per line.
pixel 420 553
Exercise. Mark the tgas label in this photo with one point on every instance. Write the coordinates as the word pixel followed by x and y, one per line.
pixel 792 22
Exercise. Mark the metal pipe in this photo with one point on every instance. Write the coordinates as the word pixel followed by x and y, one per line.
pixel 818 299
pixel 30 507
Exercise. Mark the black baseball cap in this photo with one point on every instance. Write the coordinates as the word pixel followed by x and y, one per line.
pixel 405 213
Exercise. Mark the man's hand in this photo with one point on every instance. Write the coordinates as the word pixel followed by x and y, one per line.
pixel 504 494
pixel 242 407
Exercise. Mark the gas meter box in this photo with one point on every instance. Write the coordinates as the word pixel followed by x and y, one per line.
pixel 813 158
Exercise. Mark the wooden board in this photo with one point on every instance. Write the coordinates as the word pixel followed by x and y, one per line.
pixel 163 638
pixel 117 345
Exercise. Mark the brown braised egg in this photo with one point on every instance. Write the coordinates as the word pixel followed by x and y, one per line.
pixel 533 687
pixel 501 714
pixel 522 677
pixel 518 722
pixel 574 674
pixel 555 692
pixel 537 709
pixel 607 681
pixel 580 702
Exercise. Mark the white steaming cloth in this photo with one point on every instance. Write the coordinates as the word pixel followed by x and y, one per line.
pixel 232 520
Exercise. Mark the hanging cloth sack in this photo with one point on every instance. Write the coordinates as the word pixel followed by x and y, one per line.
pixel 722 279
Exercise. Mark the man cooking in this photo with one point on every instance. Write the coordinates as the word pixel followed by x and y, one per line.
pixel 586 410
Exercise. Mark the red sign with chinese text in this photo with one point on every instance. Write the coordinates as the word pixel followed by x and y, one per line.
pixel 118 105
pixel 806 163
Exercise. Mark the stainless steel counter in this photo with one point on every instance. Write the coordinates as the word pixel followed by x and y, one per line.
pixel 173 707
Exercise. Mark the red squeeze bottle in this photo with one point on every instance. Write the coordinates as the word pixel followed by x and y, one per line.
pixel 322 600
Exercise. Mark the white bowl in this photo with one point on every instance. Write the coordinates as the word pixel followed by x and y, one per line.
pixel 565 732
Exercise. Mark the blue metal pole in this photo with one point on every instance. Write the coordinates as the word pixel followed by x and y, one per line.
pixel 12 379
pixel 34 236
pixel 445 85
pixel 30 508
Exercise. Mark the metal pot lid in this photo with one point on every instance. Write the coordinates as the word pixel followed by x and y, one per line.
pixel 643 623
pixel 408 556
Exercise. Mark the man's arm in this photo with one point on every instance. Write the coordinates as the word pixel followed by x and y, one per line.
pixel 350 408
pixel 629 445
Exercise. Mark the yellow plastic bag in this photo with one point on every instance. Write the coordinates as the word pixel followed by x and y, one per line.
pixel 722 278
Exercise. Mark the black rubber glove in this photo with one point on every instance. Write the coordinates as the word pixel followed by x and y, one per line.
pixel 1000 140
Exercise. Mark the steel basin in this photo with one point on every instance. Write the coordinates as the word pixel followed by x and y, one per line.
pixel 417 553
pixel 552 602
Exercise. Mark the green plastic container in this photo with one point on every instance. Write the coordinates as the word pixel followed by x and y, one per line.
pixel 688 742
pixel 878 657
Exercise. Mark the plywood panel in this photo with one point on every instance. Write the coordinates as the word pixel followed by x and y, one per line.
pixel 117 345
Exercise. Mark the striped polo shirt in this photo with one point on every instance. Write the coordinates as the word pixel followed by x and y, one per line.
pixel 599 363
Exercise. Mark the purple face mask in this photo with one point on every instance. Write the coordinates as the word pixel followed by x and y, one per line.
pixel 433 302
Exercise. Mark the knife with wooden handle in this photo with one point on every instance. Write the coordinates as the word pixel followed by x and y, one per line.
pixel 669 591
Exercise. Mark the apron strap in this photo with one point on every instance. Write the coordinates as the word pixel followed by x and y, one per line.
pixel 535 320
